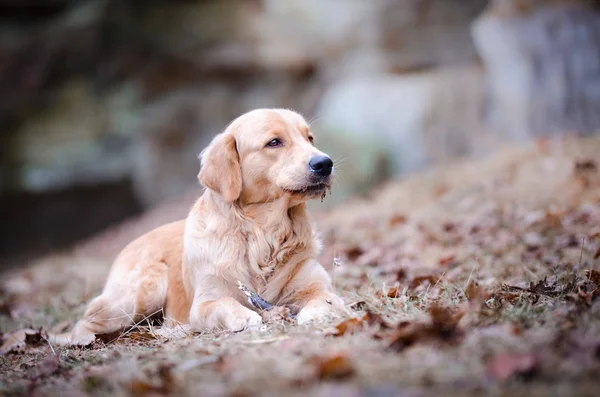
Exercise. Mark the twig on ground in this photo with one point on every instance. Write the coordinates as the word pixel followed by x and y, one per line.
pixel 254 299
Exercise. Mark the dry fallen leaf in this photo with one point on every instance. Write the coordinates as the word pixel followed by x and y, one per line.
pixel 541 287
pixel 358 305
pixel 393 292
pixel 443 327
pixel 585 166
pixel 375 319
pixel 407 334
pixel 586 291
pixel 431 279
pixel 397 220
pixel 335 367
pixel 349 326
pixel 166 384
pixel 19 339
pixel 594 276
pixel 447 261
pixel 444 320
pixel 474 292
pixel 506 365
pixel 353 253
pixel 141 336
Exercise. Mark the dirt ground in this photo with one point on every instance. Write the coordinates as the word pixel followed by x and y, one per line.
pixel 480 277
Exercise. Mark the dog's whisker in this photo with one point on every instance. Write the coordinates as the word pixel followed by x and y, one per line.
pixel 314 119
pixel 340 160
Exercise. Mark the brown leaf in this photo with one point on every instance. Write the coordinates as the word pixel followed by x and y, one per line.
pixel 166 384
pixel 349 326
pixel 542 288
pixel 508 296
pixel 33 337
pixel 375 319
pixel 586 291
pixel 541 143
pixel 474 292
pixel 585 166
pixel 19 339
pixel 442 327
pixel 335 367
pixel 407 334
pixel 353 253
pixel 440 190
pixel 111 337
pixel 393 292
pixel 431 279
pixel 444 320
pixel 358 305
pixel 449 227
pixel 141 336
pixel 594 276
pixel 397 220
pixel 447 260
pixel 506 365
pixel 400 274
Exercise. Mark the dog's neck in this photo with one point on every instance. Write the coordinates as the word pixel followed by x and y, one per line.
pixel 275 231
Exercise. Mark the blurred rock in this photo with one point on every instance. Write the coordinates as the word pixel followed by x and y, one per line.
pixel 543 66
pixel 395 124
pixel 79 139
pixel 170 135
pixel 104 91
pixel 126 90
pixel 422 34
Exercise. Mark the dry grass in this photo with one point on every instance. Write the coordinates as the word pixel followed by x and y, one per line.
pixel 446 265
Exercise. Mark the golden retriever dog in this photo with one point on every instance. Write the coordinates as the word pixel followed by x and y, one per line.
pixel 250 225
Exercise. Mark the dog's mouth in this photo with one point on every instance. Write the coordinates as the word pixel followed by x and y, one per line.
pixel 314 189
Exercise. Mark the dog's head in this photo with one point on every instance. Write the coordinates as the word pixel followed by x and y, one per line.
pixel 264 155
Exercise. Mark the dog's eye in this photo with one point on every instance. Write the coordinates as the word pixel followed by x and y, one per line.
pixel 274 143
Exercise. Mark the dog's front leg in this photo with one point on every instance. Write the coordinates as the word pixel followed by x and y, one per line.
pixel 312 291
pixel 322 306
pixel 225 313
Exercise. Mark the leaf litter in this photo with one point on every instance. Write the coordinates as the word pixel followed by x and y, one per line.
pixel 482 274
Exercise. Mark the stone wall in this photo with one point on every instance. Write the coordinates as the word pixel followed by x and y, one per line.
pixel 542 61
pixel 106 90
pixel 126 93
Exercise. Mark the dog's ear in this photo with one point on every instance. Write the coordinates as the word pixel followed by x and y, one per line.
pixel 220 167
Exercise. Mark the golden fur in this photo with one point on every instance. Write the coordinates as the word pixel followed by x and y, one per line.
pixel 250 225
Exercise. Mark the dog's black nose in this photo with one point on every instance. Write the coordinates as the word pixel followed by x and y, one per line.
pixel 321 165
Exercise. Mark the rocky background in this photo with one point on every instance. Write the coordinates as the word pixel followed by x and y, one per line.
pixel 104 104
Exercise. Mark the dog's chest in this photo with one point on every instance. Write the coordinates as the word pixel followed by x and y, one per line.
pixel 278 269
pixel 272 252
pixel 275 251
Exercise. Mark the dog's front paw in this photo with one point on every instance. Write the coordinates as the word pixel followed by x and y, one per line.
pixel 242 319
pixel 320 310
